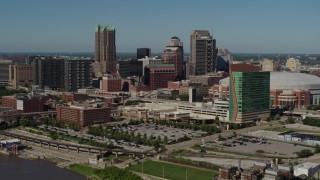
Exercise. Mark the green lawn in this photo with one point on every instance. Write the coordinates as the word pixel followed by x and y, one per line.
pixel 85 170
pixel 110 173
pixel 174 172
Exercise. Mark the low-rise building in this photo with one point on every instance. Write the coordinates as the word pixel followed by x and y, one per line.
pixel 83 114
pixel 293 65
pixel 24 102
pixel 70 97
pixel 209 79
pixel 184 86
pixel 111 83
pixel 299 138
pixel 269 65
pixel 308 169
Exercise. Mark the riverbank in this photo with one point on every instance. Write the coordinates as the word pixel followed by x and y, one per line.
pixel 14 167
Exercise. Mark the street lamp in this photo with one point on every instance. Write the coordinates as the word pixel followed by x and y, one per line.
pixel 163 171
pixel 186 174
pixel 142 167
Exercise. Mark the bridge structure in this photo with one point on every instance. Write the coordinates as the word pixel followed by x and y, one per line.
pixel 73 147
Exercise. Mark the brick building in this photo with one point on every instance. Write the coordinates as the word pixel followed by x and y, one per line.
pixel 184 86
pixel 209 79
pixel 70 97
pixel 173 54
pixel 138 88
pixel 23 103
pixel 158 75
pixel 83 115
pixel 111 83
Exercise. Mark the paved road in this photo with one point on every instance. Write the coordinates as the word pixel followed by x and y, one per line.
pixel 186 144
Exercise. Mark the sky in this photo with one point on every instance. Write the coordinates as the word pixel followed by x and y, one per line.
pixel 242 26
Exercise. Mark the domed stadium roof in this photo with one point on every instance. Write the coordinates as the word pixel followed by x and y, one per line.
pixel 288 80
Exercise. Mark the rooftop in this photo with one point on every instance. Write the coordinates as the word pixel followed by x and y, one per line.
pixel 105 27
pixel 307 165
pixel 161 65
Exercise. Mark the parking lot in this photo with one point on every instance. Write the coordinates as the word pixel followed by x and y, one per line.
pixel 257 145
pixel 163 131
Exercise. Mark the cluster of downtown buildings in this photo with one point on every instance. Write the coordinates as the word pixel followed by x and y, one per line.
pixel 239 92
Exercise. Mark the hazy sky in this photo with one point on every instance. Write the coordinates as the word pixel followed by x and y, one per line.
pixel 269 26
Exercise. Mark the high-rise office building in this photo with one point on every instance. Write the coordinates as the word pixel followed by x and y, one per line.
pixel 20 75
pixel 105 50
pixel 203 53
pixel 173 54
pixel 130 67
pixel 77 73
pixel 249 98
pixel 49 72
pixel 67 73
pixel 143 52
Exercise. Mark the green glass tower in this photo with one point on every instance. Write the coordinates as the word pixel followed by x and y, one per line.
pixel 249 96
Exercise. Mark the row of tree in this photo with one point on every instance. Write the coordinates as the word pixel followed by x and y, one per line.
pixel 311 121
pixel 307 152
pixel 30 122
pixel 8 92
pixel 55 136
pixel 313 107
pixel 117 135
pixel 181 125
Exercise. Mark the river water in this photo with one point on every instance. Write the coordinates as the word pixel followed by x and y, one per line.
pixel 15 168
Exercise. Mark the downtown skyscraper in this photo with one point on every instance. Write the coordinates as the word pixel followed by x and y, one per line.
pixel 105 50
pixel 173 54
pixel 203 53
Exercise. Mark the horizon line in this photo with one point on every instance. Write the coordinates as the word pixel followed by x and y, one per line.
pixel 65 52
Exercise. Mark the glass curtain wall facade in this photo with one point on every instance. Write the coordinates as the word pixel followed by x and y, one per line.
pixel 249 96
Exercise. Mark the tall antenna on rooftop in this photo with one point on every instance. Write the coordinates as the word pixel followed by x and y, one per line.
pixel 212 30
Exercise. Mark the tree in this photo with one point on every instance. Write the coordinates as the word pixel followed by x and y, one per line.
pixel 216 120
pixel 184 97
pixel 304 153
pixel 203 122
pixel 276 117
pixel 317 148
pixel 24 122
pixel 219 137
pixel 159 139
pixel 234 134
pixel 53 135
pixel 165 140
pixel 290 120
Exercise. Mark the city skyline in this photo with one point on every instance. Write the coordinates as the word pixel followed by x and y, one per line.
pixel 241 27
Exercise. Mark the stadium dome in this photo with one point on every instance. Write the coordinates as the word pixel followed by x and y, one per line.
pixel 288 81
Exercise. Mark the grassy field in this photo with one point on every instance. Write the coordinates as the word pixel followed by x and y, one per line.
pixel 110 173
pixel 85 170
pixel 174 172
